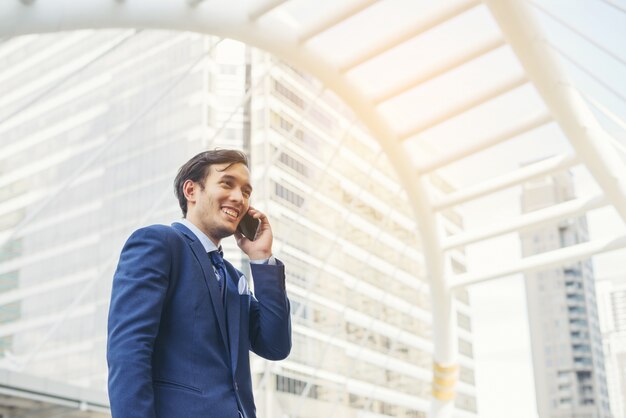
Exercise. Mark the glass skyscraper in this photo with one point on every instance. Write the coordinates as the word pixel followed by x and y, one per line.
pixel 570 379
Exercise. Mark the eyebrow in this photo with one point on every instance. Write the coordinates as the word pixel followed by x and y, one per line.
pixel 235 179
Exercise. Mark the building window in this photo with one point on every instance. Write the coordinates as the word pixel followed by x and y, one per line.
pixel 294 164
pixel 465 348
pixel 288 195
pixel 466 375
pixel 12 249
pixel 296 386
pixel 464 321
pixel 288 94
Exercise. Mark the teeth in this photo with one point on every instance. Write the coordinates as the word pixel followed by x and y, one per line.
pixel 230 212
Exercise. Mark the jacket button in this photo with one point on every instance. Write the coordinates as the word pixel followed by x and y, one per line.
pixel 236 386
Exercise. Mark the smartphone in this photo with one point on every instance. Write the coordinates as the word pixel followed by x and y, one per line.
pixel 249 226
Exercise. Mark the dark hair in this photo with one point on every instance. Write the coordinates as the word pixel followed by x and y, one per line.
pixel 197 168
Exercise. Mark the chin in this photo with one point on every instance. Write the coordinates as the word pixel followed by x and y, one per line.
pixel 226 231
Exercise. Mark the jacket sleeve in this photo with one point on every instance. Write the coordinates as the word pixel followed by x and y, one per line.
pixel 137 297
pixel 270 322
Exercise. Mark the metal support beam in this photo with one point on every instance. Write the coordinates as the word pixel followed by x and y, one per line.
pixel 529 220
pixel 265 8
pixel 466 105
pixel 543 261
pixel 529 172
pixel 598 79
pixel 591 142
pixel 618 121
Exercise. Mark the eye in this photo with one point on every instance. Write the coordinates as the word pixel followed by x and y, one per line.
pixel 246 193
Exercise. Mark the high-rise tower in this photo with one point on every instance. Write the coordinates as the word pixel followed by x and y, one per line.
pixel 566 341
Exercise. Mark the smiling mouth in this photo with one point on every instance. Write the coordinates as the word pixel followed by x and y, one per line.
pixel 232 213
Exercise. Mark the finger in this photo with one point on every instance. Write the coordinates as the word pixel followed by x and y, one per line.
pixel 259 215
pixel 255 213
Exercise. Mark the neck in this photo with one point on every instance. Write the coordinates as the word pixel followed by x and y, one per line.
pixel 198 225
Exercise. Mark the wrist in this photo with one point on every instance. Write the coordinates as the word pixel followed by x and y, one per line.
pixel 260 256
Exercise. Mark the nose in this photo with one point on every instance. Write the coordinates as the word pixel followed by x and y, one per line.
pixel 236 195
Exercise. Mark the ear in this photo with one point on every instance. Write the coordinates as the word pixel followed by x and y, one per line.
pixel 190 189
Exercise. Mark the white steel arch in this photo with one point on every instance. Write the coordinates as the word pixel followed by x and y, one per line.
pixel 273 25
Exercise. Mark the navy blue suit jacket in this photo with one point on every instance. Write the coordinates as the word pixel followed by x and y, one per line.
pixel 171 351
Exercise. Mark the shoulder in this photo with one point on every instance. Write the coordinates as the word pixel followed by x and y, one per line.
pixel 157 229
pixel 158 234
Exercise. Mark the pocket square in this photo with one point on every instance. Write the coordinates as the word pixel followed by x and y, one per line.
pixel 242 286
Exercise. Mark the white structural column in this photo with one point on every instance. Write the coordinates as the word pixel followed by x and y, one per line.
pixel 233 20
pixel 591 142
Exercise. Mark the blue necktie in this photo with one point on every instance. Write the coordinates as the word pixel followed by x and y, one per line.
pixel 218 263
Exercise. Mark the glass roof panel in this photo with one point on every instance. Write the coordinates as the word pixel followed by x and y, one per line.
pixel 435 98
pixel 478 124
pixel 366 30
pixel 425 53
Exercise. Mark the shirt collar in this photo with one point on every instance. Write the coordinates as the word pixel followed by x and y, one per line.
pixel 204 240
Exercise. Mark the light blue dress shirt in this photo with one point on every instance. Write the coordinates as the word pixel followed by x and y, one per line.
pixel 210 246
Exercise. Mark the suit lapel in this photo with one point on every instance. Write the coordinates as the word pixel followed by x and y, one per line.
pixel 233 308
pixel 209 279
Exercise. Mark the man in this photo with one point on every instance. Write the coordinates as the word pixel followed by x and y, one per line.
pixel 180 322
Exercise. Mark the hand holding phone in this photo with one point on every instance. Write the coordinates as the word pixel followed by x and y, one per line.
pixel 255 226
pixel 249 226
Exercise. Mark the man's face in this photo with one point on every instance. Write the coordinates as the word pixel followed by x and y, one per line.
pixel 218 208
